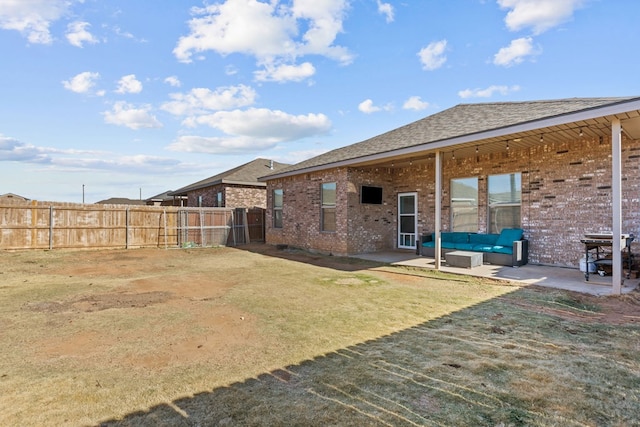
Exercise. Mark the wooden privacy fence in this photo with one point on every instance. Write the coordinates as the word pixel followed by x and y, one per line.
pixel 40 225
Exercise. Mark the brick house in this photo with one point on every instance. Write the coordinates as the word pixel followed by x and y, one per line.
pixel 236 188
pixel 557 169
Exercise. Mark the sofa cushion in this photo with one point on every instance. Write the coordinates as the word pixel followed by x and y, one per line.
pixel 447 244
pixel 430 244
pixel 479 247
pixel 463 246
pixel 508 236
pixel 454 237
pixel 502 249
pixel 484 239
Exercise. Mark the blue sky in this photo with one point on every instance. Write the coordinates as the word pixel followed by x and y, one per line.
pixel 133 97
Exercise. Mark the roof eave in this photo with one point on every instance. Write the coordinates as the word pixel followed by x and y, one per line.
pixel 590 113
pixel 185 190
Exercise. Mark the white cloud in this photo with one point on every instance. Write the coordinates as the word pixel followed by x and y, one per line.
pixel 516 52
pixel 139 163
pixel 203 100
pixel 488 92
pixel 415 103
pixel 272 32
pixel 82 83
pixel 386 9
pixel 13 150
pixel 124 114
pixel 32 18
pixel 432 57
pixel 77 34
pixel 285 73
pixel 265 124
pixel 368 107
pixel 539 15
pixel 173 81
pixel 220 145
pixel 129 84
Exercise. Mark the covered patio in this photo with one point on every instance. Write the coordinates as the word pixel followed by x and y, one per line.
pixel 571 279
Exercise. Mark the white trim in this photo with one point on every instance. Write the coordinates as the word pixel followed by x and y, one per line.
pixel 415 220
pixel 438 209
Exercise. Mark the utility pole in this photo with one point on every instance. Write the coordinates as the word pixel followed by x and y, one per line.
pixel 83 194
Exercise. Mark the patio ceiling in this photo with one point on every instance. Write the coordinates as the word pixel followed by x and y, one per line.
pixel 589 128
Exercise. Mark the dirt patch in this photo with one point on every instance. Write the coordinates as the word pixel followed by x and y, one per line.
pixel 101 302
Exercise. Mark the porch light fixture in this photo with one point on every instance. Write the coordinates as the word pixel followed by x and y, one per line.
pixel 541 138
pixel 581 134
pixel 453 155
pixel 507 145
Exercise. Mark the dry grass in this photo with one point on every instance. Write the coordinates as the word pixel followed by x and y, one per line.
pixel 230 337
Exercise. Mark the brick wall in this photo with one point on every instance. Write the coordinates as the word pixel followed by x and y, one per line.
pixel 233 196
pixel 301 212
pixel 566 192
pixel 245 197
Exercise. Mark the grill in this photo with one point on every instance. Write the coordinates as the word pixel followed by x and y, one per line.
pixel 600 245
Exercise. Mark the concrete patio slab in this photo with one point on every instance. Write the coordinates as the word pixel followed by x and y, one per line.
pixel 571 279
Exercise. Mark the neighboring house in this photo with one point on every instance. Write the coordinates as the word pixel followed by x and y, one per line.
pixel 13 197
pixel 558 169
pixel 164 199
pixel 236 188
pixel 121 201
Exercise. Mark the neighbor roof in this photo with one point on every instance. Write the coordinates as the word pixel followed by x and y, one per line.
pixel 162 196
pixel 246 174
pixel 121 201
pixel 448 125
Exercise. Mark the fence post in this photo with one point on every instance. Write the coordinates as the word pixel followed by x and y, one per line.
pixel 126 221
pixel 50 227
pixel 164 216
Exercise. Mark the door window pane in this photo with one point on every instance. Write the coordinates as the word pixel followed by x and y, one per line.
pixel 407 205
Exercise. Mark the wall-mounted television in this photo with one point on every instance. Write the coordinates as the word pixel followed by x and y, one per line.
pixel 370 195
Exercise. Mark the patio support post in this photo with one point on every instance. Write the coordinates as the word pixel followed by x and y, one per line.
pixel 616 205
pixel 438 208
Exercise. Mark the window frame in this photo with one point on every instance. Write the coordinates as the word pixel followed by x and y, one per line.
pixel 475 207
pixel 327 207
pixel 277 209
pixel 492 225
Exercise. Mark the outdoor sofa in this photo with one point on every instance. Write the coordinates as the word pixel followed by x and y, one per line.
pixel 507 248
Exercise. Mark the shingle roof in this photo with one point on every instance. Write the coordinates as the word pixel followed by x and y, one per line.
pixel 246 174
pixel 121 201
pixel 461 120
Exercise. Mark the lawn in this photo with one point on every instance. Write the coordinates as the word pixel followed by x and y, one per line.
pixel 257 336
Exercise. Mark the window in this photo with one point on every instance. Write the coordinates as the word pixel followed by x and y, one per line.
pixel 464 204
pixel 219 200
pixel 199 201
pixel 505 199
pixel 328 214
pixel 277 208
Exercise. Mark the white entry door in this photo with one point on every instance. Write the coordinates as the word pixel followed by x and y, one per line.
pixel 407 220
